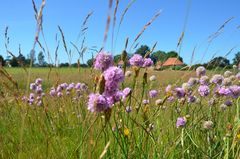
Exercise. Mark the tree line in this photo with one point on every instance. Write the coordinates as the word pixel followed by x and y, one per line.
pixel 143 50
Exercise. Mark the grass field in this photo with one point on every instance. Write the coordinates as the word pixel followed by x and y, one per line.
pixel 63 127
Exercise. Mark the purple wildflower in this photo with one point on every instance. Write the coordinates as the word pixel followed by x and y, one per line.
pixel 180 93
pixel 217 79
pixel 147 62
pixel 224 91
pixel 228 103
pixel 136 60
pixel 145 101
pixel 126 91
pixel 128 109
pixel 38 81
pixel 52 92
pixel 203 90
pixel 204 80
pixel 238 75
pixel 103 61
pixel 191 99
pixel 152 93
pixel 97 103
pixel 235 91
pixel 200 71
pixel 113 74
pixel 33 86
pixel 181 122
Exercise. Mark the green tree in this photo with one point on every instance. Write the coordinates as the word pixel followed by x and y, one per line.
pixel 218 62
pixel 158 56
pixel 236 59
pixel 41 60
pixel 117 58
pixel 14 62
pixel 2 61
pixel 142 50
pixel 174 54
pixel 90 62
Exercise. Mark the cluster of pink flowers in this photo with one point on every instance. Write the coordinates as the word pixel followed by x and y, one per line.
pixel 139 61
pixel 69 89
pixel 37 93
pixel 113 76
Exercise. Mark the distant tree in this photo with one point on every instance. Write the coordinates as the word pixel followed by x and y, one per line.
pixel 64 64
pixel 90 62
pixel 32 56
pixel 41 60
pixel 21 59
pixel 236 59
pixel 158 56
pixel 142 50
pixel 174 54
pixel 117 58
pixel 14 62
pixel 2 61
pixel 218 62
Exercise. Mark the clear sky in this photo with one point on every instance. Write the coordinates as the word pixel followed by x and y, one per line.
pixel 204 18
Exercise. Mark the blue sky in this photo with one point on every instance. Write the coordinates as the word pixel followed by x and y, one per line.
pixel 204 18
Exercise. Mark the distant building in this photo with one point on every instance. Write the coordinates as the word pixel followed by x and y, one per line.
pixel 172 61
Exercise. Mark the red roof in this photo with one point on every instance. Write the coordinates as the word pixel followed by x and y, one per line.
pixel 172 61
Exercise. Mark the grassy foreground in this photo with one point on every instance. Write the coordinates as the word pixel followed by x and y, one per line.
pixel 64 128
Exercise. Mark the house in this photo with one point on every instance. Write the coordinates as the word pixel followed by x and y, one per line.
pixel 121 63
pixel 172 61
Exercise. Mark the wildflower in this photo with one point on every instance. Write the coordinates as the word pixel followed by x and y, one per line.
pixel 211 102
pixel 192 81
pixel 224 91
pixel 97 103
pixel 186 87
pixel 153 93
pixel 84 87
pixel 203 90
pixel 38 81
pixel 147 62
pixel 126 92
pixel 180 93
pixel 238 75
pixel 223 106
pixel 153 78
pixel 136 60
pixel 128 109
pixel 126 132
pixel 33 86
pixel 228 103
pixel 39 89
pixel 103 61
pixel 204 80
pixel 78 86
pixel 200 71
pixel 208 124
pixel 191 99
pixel 59 94
pixel 113 74
pixel 217 79
pixel 159 102
pixel 52 92
pixel 227 82
pixel 235 91
pixel 181 122
pixel 128 73
pixel 227 73
pixel 145 101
